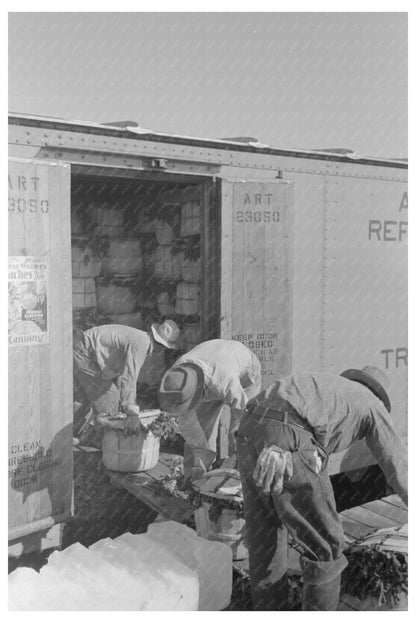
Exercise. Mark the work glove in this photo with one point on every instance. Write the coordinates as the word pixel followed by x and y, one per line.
pixel 132 423
pixel 273 464
pixel 203 460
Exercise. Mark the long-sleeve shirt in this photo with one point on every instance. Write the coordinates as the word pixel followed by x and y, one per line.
pixel 340 412
pixel 120 352
pixel 229 369
pixel 232 375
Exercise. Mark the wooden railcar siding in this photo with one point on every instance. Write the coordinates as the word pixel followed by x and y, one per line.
pixel 256 278
pixel 40 372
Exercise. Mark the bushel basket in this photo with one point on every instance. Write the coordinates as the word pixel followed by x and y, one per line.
pixel 129 453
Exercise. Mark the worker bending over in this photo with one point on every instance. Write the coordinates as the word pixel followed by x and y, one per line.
pixel 196 388
pixel 107 364
pixel 283 444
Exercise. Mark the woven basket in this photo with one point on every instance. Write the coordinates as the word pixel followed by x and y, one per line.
pixel 109 222
pixel 124 257
pixel 191 218
pixel 164 305
pixel 129 453
pixel 115 299
pixel 191 270
pixel 163 231
pixel 187 299
pixel 84 294
pixel 167 266
pixel 84 264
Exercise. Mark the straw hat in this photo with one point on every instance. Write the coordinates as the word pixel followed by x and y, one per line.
pixel 166 333
pixel 373 378
pixel 181 388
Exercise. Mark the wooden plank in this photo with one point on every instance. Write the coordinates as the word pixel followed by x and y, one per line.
pixel 381 507
pixel 355 529
pixel 171 507
pixel 37 541
pixel 395 500
pixel 368 518
pixel 242 567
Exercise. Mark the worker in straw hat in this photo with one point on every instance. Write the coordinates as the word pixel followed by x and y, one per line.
pixel 107 363
pixel 283 443
pixel 196 388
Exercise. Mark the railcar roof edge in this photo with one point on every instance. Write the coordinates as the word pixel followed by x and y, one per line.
pixel 230 145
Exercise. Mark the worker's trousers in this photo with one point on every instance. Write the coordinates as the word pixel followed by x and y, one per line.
pixel 209 414
pixel 102 395
pixel 305 509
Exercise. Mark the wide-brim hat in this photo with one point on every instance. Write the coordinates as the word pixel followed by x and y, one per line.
pixel 166 333
pixel 373 378
pixel 181 388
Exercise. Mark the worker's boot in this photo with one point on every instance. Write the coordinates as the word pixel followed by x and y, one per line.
pixel 321 583
pixel 321 596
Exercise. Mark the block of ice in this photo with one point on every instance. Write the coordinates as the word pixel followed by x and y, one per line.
pixel 101 584
pixel 172 584
pixel 136 593
pixel 24 583
pixel 37 592
pixel 211 560
pixel 64 592
pixel 133 572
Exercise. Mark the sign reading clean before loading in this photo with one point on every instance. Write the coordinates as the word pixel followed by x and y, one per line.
pixel 28 461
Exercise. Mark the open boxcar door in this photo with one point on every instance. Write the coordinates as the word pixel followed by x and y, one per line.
pixel 256 261
pixel 40 352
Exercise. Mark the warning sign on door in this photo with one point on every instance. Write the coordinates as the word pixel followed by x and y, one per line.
pixel 28 300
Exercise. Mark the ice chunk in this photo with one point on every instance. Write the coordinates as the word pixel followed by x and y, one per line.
pixel 133 572
pixel 24 583
pixel 174 586
pixel 136 594
pixel 211 560
pixel 101 584
pixel 37 592
pixel 65 593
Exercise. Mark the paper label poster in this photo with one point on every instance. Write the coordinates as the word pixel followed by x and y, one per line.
pixel 28 300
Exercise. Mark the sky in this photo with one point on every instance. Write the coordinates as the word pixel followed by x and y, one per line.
pixel 295 80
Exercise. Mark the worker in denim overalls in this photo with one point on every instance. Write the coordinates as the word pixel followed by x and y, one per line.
pixel 283 444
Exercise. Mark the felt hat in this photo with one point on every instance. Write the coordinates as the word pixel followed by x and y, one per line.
pixel 373 378
pixel 181 388
pixel 166 333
